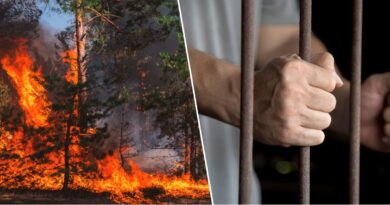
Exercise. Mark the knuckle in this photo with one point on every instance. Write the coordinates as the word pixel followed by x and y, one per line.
pixel 286 91
pixel 331 83
pixel 286 110
pixel 284 135
pixel 294 56
pixel 292 65
pixel 289 124
pixel 284 83
pixel 327 57
pixel 290 90
pixel 287 132
pixel 288 57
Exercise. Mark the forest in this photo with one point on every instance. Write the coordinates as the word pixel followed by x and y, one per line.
pixel 101 110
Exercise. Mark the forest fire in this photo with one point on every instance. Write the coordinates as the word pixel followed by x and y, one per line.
pixel 29 167
pixel 32 98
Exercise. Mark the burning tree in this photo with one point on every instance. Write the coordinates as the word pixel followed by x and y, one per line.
pixel 84 107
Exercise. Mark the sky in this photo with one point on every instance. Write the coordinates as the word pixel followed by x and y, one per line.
pixel 53 19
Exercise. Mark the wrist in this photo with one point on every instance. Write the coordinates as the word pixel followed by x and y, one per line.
pixel 217 87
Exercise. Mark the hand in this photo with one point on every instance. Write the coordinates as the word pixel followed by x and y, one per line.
pixel 375 112
pixel 293 100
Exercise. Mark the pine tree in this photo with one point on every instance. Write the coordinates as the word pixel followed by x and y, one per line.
pixel 174 101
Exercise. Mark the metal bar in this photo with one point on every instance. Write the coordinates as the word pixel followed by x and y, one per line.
pixel 247 84
pixel 354 175
pixel 304 52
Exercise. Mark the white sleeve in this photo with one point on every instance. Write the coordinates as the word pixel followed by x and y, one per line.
pixel 280 12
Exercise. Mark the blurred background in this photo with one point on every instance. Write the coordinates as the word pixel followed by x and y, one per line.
pixel 277 167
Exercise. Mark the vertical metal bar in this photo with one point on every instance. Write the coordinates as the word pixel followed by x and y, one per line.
pixel 304 52
pixel 247 83
pixel 357 25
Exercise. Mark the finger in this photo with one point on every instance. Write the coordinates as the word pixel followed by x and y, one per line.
pixel 326 60
pixel 321 100
pixel 314 119
pixel 386 114
pixel 307 137
pixel 320 77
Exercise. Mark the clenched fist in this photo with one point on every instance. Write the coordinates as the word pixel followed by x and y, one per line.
pixel 293 100
pixel 375 116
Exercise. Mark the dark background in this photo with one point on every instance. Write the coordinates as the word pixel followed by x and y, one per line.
pixel 277 167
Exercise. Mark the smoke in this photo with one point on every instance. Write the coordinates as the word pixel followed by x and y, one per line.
pixel 18 18
pixel 164 160
pixel 44 44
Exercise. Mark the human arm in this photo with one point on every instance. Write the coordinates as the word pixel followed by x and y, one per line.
pixel 287 84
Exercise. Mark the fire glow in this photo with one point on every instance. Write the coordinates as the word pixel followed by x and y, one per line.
pixel 32 98
pixel 29 173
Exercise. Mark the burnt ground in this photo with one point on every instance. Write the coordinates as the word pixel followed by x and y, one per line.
pixel 52 197
pixel 73 197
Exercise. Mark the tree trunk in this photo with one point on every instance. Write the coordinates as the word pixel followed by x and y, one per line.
pixel 121 137
pixel 80 39
pixel 187 150
pixel 66 154
pixel 195 156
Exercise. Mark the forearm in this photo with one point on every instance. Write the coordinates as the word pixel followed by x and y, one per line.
pixel 217 88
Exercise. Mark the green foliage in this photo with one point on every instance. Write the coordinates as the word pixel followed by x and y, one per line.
pixel 69 6
pixel 173 101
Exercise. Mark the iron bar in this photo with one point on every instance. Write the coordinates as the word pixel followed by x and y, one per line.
pixel 354 174
pixel 247 84
pixel 304 52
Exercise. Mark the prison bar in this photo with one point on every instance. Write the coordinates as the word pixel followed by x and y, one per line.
pixel 246 106
pixel 354 166
pixel 304 52
pixel 247 82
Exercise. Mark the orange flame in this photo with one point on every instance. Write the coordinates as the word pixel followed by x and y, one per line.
pixel 32 95
pixel 24 172
pixel 70 57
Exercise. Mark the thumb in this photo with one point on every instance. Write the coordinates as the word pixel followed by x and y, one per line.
pixel 326 60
